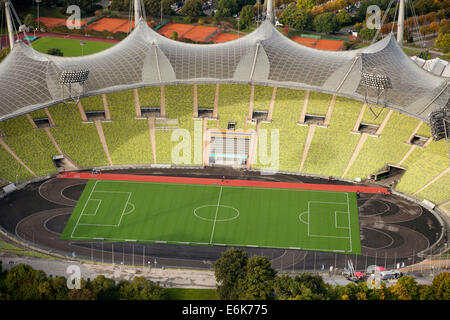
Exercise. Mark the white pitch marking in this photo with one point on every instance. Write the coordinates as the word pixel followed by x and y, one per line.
pixel 215 218
pixel 79 217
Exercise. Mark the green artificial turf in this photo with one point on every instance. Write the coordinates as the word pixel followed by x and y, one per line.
pixel 70 47
pixel 216 215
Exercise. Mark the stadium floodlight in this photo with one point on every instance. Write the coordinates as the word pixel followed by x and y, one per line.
pixel 439 123
pixel 376 81
pixel 380 82
pixel 73 76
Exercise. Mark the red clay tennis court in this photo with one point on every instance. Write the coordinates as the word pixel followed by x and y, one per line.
pixel 52 22
pixel 225 37
pixel 201 33
pixel 179 28
pixel 109 24
pixel 307 42
pixel 330 45
pixel 194 33
pixel 320 44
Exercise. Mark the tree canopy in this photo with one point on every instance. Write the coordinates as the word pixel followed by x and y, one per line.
pixel 296 18
pixel 247 15
pixel 192 8
pixel 326 23
pixel 305 4
pixel 229 269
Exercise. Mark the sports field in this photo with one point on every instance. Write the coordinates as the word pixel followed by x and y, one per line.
pixel 216 215
pixel 70 47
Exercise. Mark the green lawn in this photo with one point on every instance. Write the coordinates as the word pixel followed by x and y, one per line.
pixel 216 215
pixel 191 294
pixel 70 47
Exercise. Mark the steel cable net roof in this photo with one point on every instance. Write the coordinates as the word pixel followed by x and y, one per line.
pixel 29 80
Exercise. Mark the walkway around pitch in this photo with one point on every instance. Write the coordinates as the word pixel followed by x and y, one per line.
pixel 242 183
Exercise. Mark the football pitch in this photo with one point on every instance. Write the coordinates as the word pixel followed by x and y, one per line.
pixel 70 47
pixel 201 214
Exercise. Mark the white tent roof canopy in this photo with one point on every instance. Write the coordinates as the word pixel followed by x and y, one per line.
pixel 29 80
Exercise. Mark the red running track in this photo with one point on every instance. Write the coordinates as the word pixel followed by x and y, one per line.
pixel 241 183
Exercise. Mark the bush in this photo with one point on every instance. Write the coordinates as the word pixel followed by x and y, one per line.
pixel 55 52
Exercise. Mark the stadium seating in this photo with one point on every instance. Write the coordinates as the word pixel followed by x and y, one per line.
pixel 78 140
pixel 263 95
pixel 390 147
pixel 94 103
pixel 206 95
pixel 11 170
pixel 32 146
pixel 233 105
pixel 332 147
pixel 423 165
pixel 129 140
pixel 149 97
pixel 288 105
pixel 318 103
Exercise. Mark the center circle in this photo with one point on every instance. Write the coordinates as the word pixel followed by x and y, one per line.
pixel 220 213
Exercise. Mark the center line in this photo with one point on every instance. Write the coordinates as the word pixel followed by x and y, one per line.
pixel 217 210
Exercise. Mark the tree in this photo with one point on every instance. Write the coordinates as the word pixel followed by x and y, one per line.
pixel 242 3
pixel 192 8
pixel 257 283
pixel 426 293
pixel 286 288
pixel 229 269
pixel 153 7
pixel 295 18
pixel 120 5
pixel 55 52
pixel 443 41
pixel 441 286
pixel 81 294
pixel 140 289
pixel 247 15
pixel 59 288
pixel 22 283
pixel 326 23
pixel 3 53
pixel 227 8
pixel 444 26
pixel 424 6
pixel 29 20
pixel 104 288
pixel 343 17
pixel 426 55
pixel 305 4
pixel 366 33
pixel 406 288
pixel 314 282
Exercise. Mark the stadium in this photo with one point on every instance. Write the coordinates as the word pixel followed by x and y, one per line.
pixel 158 151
